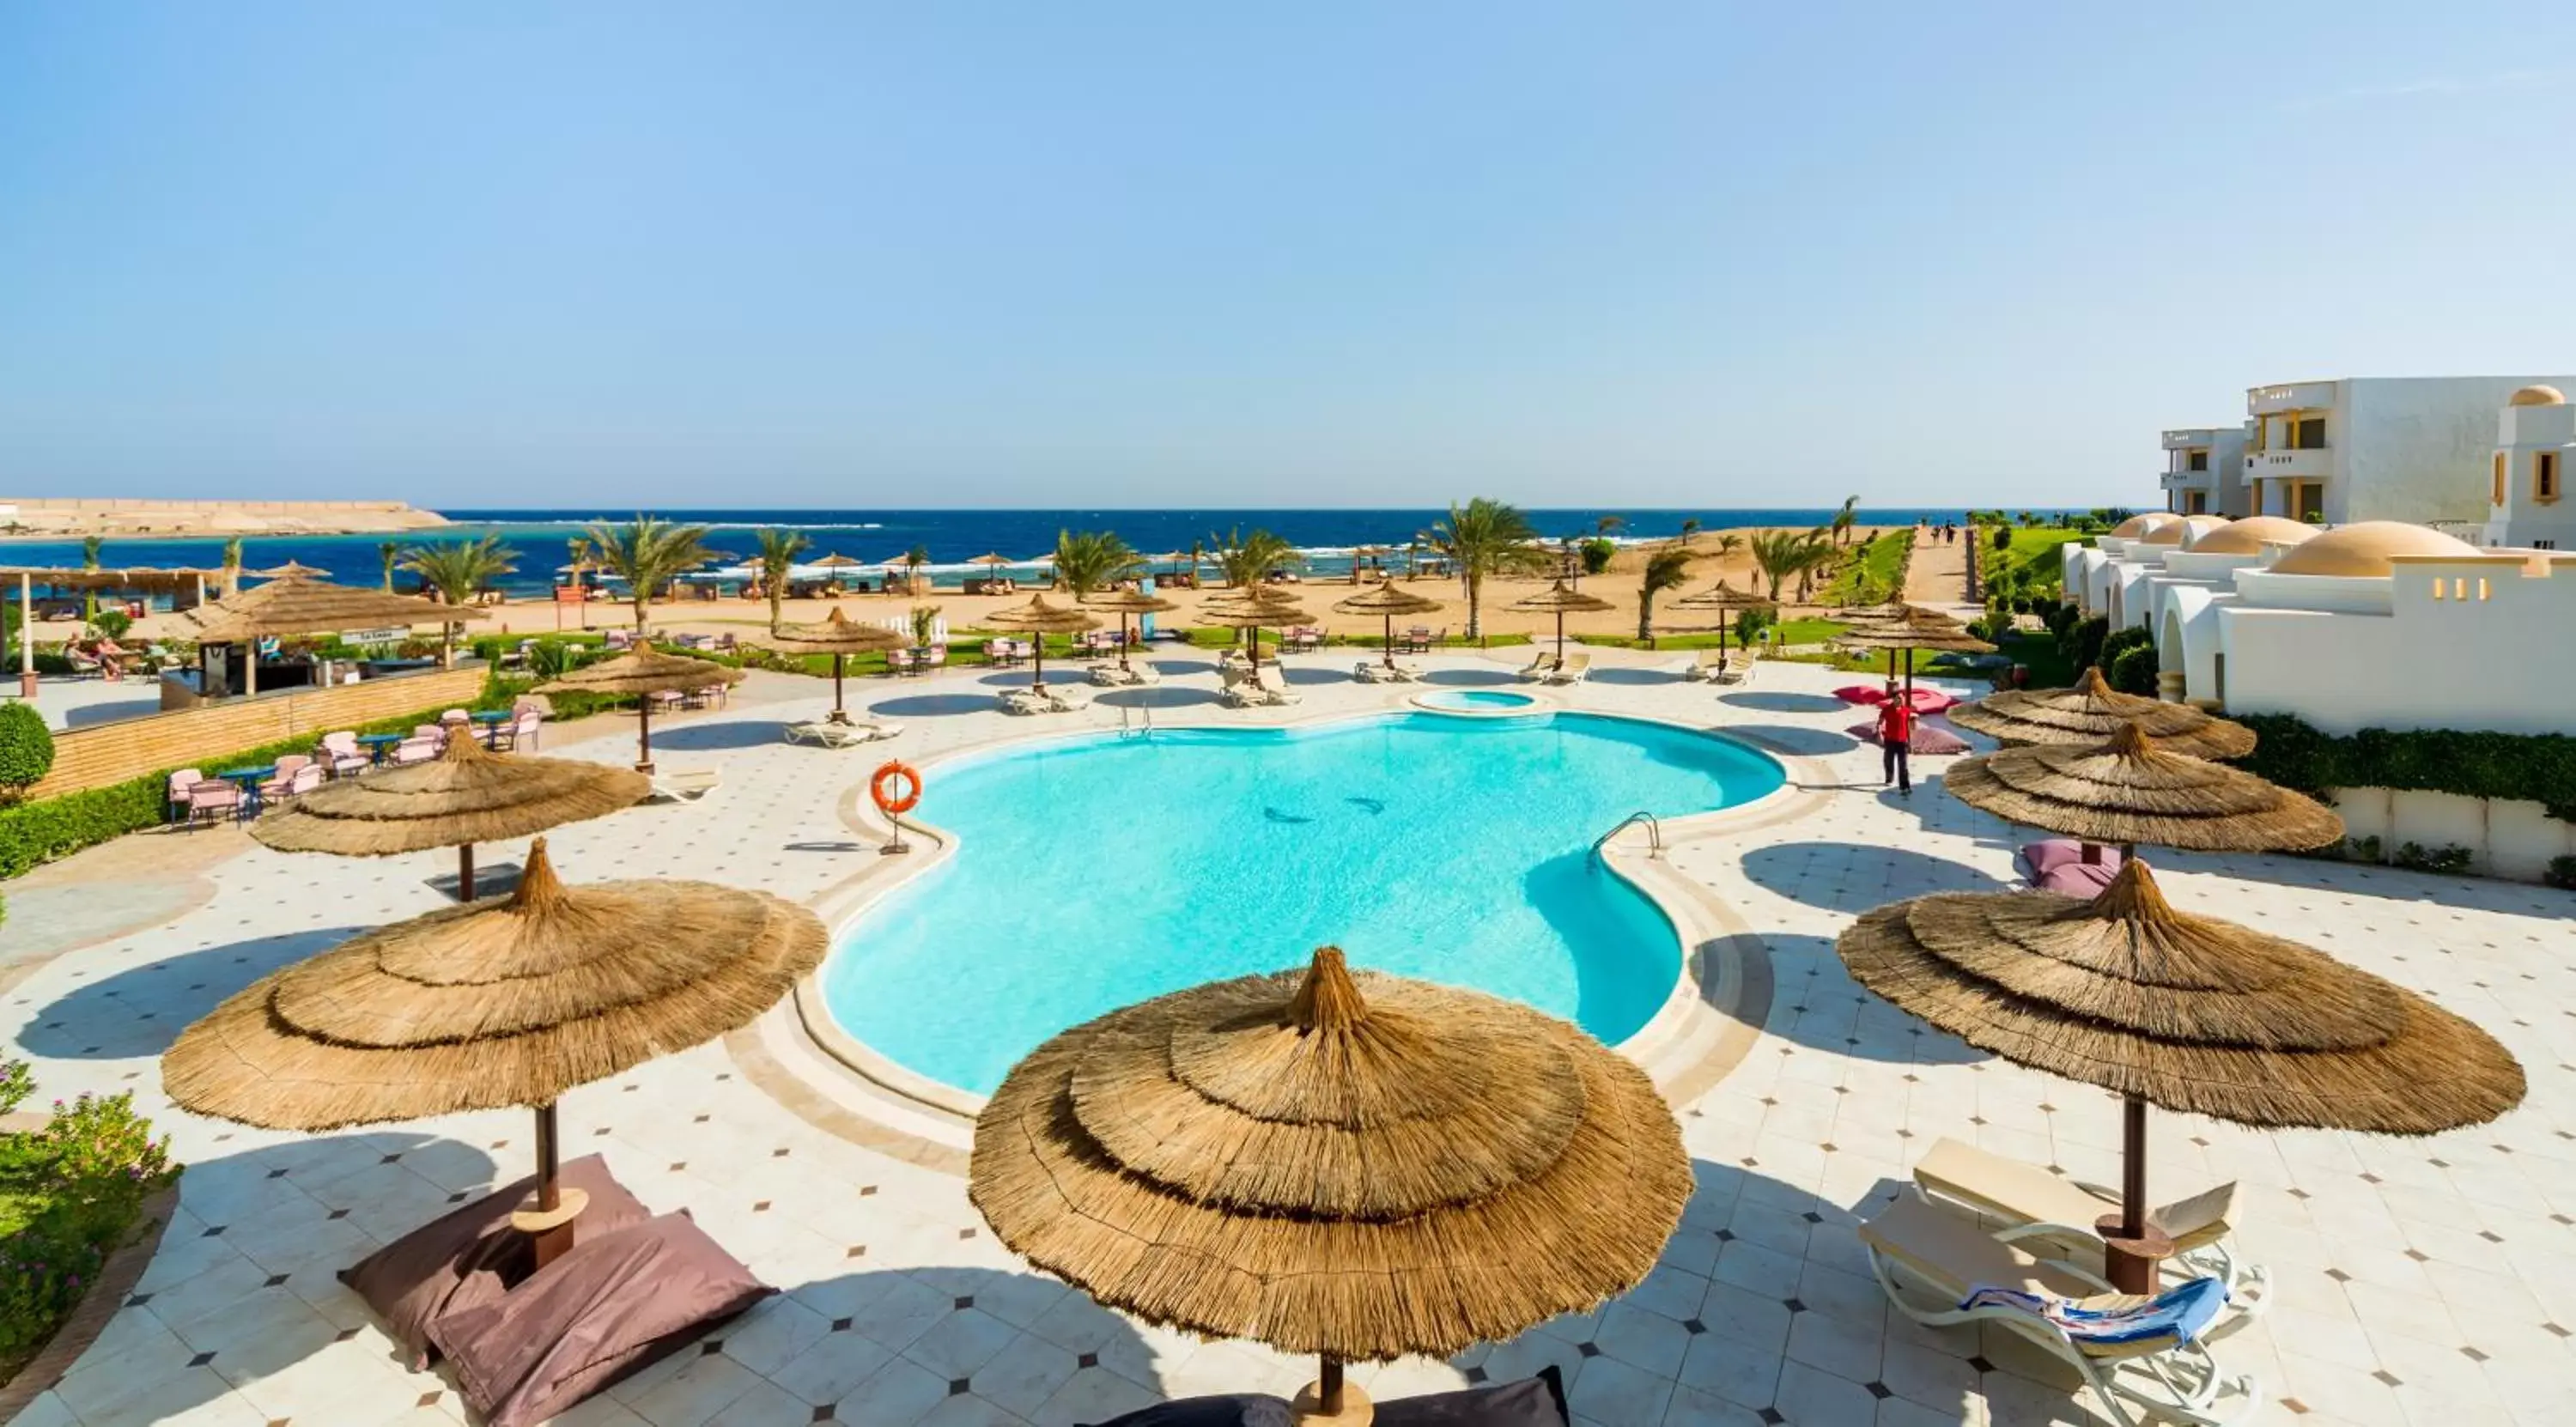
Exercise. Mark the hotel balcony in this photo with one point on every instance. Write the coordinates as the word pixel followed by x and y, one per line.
pixel 2310 465
pixel 2188 481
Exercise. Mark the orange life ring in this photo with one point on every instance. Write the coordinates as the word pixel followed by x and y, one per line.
pixel 892 804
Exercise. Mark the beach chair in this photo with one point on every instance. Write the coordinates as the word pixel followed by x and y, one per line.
pixel 82 664
pixel 1738 668
pixel 281 784
pixel 1707 665
pixel 341 756
pixel 1021 701
pixel 176 793
pixel 1573 671
pixel 1939 1269
pixel 1537 668
pixel 2025 1194
pixel 684 785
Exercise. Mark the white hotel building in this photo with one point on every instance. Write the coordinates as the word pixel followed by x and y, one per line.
pixel 2376 448
pixel 2205 471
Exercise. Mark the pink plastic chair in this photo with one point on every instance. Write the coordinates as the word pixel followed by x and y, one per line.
pixel 415 750
pixel 211 799
pixel 523 729
pixel 341 756
pixel 180 782
pixel 281 784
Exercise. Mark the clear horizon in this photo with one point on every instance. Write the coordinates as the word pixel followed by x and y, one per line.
pixel 810 256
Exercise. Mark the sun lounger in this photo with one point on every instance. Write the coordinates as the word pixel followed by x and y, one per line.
pixel 685 785
pixel 1372 671
pixel 1738 668
pixel 840 735
pixel 1537 669
pixel 1572 671
pixel 2026 1194
pixel 1707 665
pixel 1939 1269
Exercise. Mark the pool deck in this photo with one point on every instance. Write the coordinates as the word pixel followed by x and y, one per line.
pixel 2415 1282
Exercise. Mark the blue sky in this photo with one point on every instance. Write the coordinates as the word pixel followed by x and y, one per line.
pixel 1329 254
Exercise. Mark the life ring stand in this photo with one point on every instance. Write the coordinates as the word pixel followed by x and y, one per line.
pixel 883 785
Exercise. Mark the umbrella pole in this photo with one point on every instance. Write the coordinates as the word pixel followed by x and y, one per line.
pixel 1122 641
pixel 1329 1399
pixel 2132 1244
pixel 838 716
pixel 465 873
pixel 547 1216
pixel 644 734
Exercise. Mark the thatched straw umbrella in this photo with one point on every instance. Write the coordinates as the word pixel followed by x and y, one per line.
pixel 2092 711
pixel 2189 1013
pixel 510 1003
pixel 1364 555
pixel 1360 1168
pixel 1916 628
pixel 643 671
pixel 1559 599
pixel 1726 600
pixel 1384 599
pixel 1041 619
pixel 839 636
pixel 1253 610
pixel 1124 603
pixel 307 605
pixel 464 796
pixel 836 561
pixel 2126 790
pixel 291 570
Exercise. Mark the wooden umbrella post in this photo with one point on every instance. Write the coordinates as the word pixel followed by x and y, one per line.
pixel 644 733
pixel 547 1216
pixel 2132 1244
pixel 465 872
pixel 838 715
pixel 1331 1400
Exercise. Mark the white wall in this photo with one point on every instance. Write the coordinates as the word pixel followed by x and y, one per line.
pixel 2523 432
pixel 2417 448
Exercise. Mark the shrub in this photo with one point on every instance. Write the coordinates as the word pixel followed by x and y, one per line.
pixel 81 1182
pixel 26 748
pixel 2561 873
pixel 2450 858
pixel 2003 537
pixel 2081 642
pixel 1597 554
pixel 2364 849
pixel 1749 624
pixel 112 622
pixel 17 1082
pixel 2537 766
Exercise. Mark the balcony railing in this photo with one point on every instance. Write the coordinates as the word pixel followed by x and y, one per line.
pixel 2310 464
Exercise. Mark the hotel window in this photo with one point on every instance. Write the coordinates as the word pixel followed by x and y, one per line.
pixel 2199 461
pixel 2544 475
pixel 2308 433
pixel 2498 497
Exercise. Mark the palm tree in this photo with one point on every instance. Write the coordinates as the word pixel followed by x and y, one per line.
pixel 90 546
pixel 1665 570
pixel 777 557
pixel 232 567
pixel 913 560
pixel 648 554
pixel 1779 554
pixel 1246 559
pixel 458 570
pixel 1690 530
pixel 1092 560
pixel 1609 525
pixel 389 555
pixel 1486 537
pixel 1819 559
pixel 1846 519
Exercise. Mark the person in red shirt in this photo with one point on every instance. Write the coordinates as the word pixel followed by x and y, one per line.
pixel 1895 737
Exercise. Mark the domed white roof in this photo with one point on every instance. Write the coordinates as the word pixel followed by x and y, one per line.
pixel 2364 549
pixel 2250 535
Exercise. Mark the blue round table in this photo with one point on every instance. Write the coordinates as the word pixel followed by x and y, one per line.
pixel 380 744
pixel 248 780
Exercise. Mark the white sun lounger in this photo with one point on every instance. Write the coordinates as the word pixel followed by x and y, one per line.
pixel 1738 668
pixel 1572 671
pixel 1708 665
pixel 1537 668
pixel 1929 1258
pixel 1372 671
pixel 2027 1194
pixel 685 785
pixel 841 735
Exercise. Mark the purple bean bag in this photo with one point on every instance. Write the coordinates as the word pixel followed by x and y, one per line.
pixel 2057 865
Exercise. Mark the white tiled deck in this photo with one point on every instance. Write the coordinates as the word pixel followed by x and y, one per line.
pixel 2417 1282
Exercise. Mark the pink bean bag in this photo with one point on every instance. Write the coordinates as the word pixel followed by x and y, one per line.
pixel 1925 739
pixel 1926 701
pixel 2057 865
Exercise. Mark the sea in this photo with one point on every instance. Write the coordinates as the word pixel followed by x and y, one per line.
pixel 952 537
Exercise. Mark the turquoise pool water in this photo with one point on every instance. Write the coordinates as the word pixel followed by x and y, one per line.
pixel 1096 871
pixel 1476 699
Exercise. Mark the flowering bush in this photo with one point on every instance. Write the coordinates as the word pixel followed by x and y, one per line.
pixel 70 1195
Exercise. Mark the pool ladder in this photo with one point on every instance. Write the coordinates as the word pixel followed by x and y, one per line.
pixel 1137 720
pixel 1654 834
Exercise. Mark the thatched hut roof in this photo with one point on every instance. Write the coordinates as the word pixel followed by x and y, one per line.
pixel 1124 602
pixel 2092 710
pixel 1040 617
pixel 130 577
pixel 1916 628
pixel 493 1004
pixel 835 633
pixel 836 561
pixel 1257 607
pixel 465 795
pixel 1386 598
pixel 1723 596
pixel 1559 598
pixel 2127 790
pixel 643 670
pixel 1363 1166
pixel 310 606
pixel 291 570
pixel 2189 1013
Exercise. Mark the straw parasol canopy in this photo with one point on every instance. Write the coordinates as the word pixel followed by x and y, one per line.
pixel 291 570
pixel 1359 1167
pixel 643 671
pixel 2127 790
pixel 304 605
pixel 837 561
pixel 1912 628
pixel 464 796
pixel 1041 619
pixel 2092 711
pixel 840 636
pixel 2188 1013
pixel 498 1004
pixel 1559 599
pixel 993 558
pixel 1252 610
pixel 1385 600
pixel 1725 599
pixel 1124 603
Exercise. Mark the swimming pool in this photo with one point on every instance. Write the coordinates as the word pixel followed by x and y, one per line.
pixel 1476 700
pixel 1094 871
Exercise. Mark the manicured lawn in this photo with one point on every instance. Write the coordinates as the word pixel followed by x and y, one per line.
pixel 2035 551
pixel 1872 578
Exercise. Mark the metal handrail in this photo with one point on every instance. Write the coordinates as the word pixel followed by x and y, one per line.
pixel 1654 834
pixel 1142 713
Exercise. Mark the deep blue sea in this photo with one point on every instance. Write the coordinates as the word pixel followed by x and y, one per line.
pixel 951 536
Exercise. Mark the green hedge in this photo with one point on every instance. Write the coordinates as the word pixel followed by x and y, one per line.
pixel 2537 766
